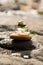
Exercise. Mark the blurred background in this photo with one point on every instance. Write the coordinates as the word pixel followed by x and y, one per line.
pixel 20 4
pixel 29 11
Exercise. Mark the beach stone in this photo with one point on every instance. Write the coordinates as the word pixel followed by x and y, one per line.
pixel 19 60
pixel 7 4
pixel 34 62
pixel 38 54
pixel 4 60
pixel 12 60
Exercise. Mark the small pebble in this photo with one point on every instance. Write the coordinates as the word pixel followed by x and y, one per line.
pixel 16 54
pixel 26 56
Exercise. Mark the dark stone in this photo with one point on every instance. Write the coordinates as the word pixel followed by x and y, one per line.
pixel 7 28
pixel 17 45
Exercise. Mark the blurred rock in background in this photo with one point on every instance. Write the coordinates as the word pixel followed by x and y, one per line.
pixel 20 4
pixel 25 4
pixel 35 4
pixel 7 4
pixel 41 4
